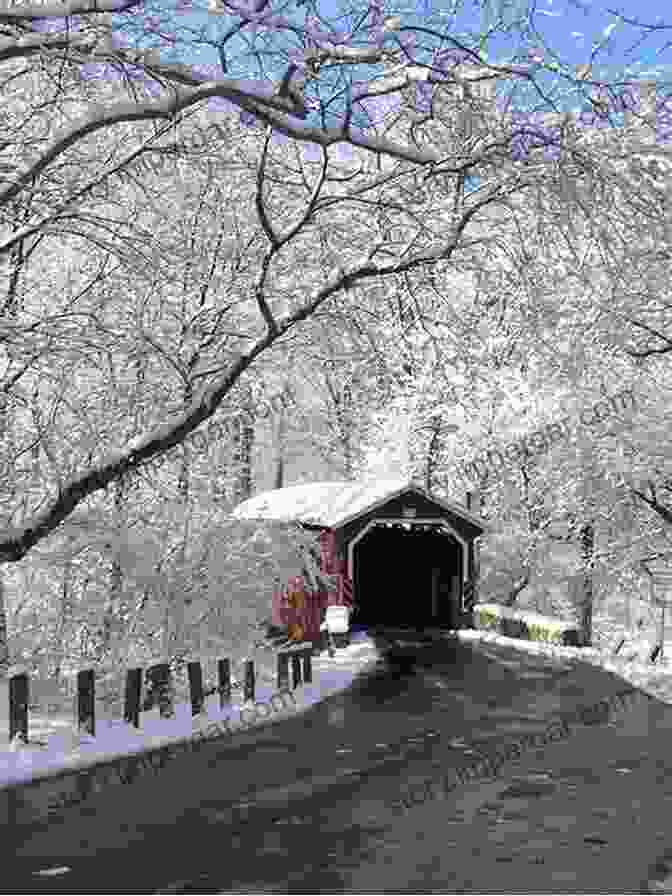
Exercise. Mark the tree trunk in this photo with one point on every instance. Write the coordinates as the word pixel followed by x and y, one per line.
pixel 65 613
pixel 116 579
pixel 11 305
pixel 474 503
pixel 279 440
pixel 344 410
pixel 433 449
pixel 587 544
pixel 243 457
pixel 4 645
pixel 516 589
pixel 661 631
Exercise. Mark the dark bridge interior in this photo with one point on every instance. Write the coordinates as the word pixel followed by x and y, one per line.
pixel 407 577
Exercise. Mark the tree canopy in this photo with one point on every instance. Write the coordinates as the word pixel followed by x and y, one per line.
pixel 173 232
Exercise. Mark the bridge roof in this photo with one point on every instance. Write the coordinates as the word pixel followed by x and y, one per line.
pixel 333 504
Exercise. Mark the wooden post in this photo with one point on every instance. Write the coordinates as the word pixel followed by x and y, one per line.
pixel 307 666
pixel 224 682
pixel 474 500
pixel 196 687
pixel 249 680
pixel 132 697
pixel 166 708
pixel 86 702
pixel 619 646
pixel 160 678
pixel 283 671
pixel 18 706
pixel 296 670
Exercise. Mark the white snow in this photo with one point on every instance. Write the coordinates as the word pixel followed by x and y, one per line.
pixel 653 678
pixel 332 504
pixel 527 616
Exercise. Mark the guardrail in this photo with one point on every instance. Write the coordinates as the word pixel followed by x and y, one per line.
pixel 156 687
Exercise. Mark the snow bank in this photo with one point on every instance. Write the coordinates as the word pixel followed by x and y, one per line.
pixel 550 624
pixel 655 680
pixel 68 751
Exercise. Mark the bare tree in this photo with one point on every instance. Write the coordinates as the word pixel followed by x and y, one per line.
pixel 401 206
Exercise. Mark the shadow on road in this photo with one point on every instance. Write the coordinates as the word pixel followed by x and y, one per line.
pixel 403 717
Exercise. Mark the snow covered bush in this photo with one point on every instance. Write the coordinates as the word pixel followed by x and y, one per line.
pixel 173 599
pixel 485 618
pixel 521 624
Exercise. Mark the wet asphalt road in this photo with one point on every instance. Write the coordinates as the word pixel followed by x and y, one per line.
pixel 285 809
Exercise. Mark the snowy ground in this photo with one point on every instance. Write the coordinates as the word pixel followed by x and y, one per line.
pixel 653 678
pixel 61 747
pixel 55 743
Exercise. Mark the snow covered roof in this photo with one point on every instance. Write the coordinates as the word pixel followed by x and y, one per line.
pixel 332 504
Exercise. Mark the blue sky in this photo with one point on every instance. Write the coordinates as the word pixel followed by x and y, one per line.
pixel 570 27
pixel 567 32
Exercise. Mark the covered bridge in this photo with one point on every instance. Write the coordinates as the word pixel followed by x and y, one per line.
pixel 401 556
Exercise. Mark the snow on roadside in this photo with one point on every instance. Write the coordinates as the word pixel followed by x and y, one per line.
pixel 654 679
pixel 114 739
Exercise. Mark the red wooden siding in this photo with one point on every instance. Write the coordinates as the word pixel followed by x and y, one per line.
pixel 295 606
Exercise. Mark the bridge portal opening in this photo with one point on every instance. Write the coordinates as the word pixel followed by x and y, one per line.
pixel 408 575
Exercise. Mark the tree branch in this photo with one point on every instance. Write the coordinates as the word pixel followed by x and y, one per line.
pixel 57 9
pixel 16 542
pixel 664 512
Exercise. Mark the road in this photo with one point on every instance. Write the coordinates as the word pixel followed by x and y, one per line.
pixel 306 804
